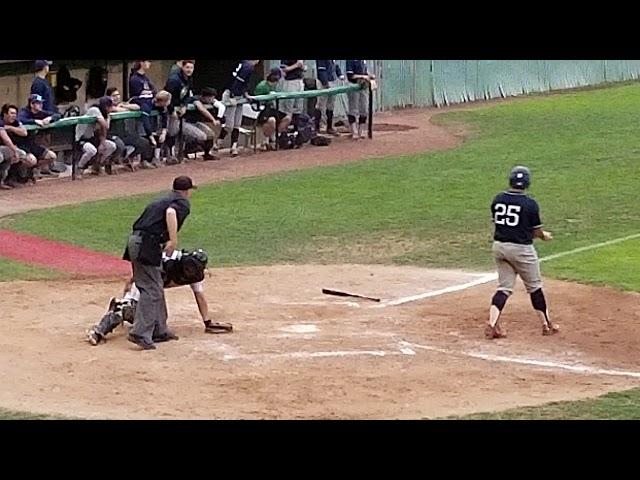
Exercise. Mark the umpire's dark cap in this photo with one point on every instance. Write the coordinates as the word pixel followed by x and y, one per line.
pixel 183 183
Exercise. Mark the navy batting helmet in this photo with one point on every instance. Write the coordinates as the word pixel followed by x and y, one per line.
pixel 520 177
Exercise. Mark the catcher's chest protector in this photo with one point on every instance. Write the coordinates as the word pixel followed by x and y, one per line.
pixel 185 271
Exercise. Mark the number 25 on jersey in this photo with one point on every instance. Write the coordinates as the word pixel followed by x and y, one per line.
pixel 506 214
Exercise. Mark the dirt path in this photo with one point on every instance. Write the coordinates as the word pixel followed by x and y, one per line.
pixel 417 134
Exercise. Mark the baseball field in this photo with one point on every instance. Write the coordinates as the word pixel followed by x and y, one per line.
pixel 403 217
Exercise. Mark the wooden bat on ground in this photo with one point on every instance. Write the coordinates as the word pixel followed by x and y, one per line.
pixel 338 293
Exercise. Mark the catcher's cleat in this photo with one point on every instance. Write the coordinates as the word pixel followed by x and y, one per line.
pixel 550 329
pixel 94 337
pixel 217 327
pixel 493 332
pixel 113 303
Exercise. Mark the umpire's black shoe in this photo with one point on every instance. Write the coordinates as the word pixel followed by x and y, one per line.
pixel 166 337
pixel 141 342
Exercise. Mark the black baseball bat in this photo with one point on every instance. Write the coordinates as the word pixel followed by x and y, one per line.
pixel 347 294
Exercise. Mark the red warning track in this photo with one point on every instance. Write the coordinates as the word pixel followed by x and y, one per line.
pixel 60 256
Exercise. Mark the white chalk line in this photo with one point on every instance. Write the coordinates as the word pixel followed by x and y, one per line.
pixel 490 277
pixel 590 247
pixel 408 348
pixel 485 278
pixel 577 368
pixel 304 355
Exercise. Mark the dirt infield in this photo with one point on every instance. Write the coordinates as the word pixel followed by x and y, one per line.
pixel 297 353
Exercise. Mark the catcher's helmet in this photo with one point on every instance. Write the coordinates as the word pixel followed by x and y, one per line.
pixel 201 255
pixel 520 177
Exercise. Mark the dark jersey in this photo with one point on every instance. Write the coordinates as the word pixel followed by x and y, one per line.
pixel 515 216
pixel 240 78
pixel 294 74
pixel 356 67
pixel 153 220
pixel 20 141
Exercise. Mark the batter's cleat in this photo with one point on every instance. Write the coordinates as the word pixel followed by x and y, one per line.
pixel 141 342
pixel 94 337
pixel 550 329
pixel 493 332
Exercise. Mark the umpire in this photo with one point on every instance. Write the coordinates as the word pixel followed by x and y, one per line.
pixel 156 229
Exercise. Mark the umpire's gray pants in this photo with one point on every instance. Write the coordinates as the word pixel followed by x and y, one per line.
pixel 151 312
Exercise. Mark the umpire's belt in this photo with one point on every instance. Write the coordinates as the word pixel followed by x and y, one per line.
pixel 150 236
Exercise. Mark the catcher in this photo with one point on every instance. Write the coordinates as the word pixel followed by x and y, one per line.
pixel 181 268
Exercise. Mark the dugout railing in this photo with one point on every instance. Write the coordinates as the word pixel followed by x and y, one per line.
pixel 61 133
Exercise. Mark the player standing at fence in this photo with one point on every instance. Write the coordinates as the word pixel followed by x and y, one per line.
pixel 238 89
pixel 358 100
pixel 516 217
pixel 328 73
pixel 293 71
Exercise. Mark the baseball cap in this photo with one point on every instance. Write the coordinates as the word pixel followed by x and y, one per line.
pixel 40 64
pixel 34 97
pixel 183 183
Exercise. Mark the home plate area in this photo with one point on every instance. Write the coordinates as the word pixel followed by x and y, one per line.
pixel 298 353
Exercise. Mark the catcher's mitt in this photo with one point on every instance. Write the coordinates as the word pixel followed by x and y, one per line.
pixel 217 327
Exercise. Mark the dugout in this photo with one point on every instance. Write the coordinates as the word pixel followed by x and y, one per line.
pixel 217 74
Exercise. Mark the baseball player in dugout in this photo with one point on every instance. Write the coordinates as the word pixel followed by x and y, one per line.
pixel 155 231
pixel 182 267
pixel 516 218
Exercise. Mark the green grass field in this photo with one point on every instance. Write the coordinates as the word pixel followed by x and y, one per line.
pixel 10 270
pixel 431 209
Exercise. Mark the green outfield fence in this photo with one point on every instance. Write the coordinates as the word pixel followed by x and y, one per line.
pixel 423 83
